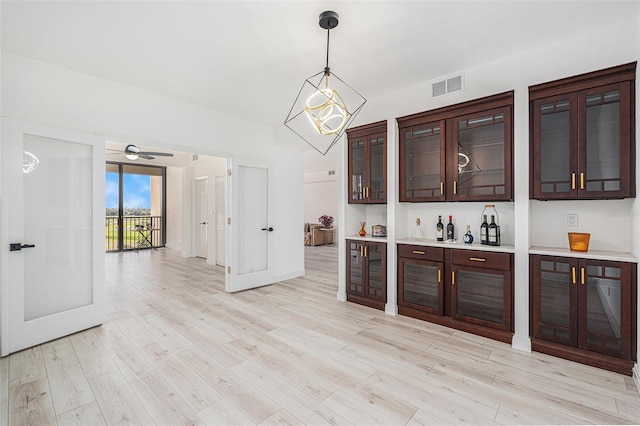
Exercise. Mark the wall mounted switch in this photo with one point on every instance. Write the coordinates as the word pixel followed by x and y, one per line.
pixel 572 220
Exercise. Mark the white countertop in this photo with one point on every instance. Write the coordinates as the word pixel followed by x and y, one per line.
pixel 456 245
pixel 367 238
pixel 591 254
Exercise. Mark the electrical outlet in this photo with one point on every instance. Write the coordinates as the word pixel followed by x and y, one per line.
pixel 572 220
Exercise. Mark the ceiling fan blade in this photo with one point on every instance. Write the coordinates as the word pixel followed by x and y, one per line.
pixel 145 156
pixel 157 154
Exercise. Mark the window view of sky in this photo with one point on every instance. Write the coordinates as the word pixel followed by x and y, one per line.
pixel 136 190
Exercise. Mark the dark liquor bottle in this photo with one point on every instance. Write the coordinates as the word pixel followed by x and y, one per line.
pixel 484 231
pixel 493 232
pixel 450 229
pixel 440 229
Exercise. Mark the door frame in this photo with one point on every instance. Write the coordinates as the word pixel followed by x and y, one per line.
pixel 82 317
pixel 196 201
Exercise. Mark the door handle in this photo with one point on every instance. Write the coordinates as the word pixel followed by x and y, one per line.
pixel 270 229
pixel 19 246
pixel 203 223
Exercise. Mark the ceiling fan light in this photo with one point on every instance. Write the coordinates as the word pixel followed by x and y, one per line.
pixel 131 156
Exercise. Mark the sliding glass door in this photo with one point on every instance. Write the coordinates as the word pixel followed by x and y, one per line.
pixel 135 200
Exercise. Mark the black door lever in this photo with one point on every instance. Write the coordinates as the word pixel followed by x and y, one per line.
pixel 270 229
pixel 19 246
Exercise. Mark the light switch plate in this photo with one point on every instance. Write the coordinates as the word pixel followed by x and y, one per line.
pixel 572 220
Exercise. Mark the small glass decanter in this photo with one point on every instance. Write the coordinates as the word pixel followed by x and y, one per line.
pixel 362 231
pixel 417 233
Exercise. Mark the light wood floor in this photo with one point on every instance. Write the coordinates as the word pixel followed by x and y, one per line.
pixel 178 350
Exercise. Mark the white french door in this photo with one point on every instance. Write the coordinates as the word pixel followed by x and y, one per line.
pixel 250 241
pixel 221 201
pixel 202 218
pixel 52 226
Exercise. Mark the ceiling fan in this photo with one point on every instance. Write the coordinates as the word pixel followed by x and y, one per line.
pixel 132 152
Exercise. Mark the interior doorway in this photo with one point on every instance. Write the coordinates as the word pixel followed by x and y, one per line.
pixel 220 202
pixel 202 218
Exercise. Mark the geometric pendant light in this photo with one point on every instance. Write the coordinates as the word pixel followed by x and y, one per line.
pixel 325 105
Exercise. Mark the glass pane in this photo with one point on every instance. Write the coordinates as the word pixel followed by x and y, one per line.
pixel 421 285
pixel 357 170
pixel 603 307
pixel 112 203
pixel 252 217
pixel 375 278
pixel 58 219
pixel 555 174
pixel 377 190
pixel 355 276
pixel 555 298
pixel 603 142
pixel 480 295
pixel 481 156
pixel 142 206
pixel 422 159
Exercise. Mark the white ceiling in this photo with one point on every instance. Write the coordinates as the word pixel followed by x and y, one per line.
pixel 250 58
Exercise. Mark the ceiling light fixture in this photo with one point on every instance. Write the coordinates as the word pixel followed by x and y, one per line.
pixel 329 108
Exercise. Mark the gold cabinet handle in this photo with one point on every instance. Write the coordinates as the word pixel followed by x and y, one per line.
pixel 453 277
pixel 582 276
pixel 573 181
pixel 441 188
pixel 366 192
pixel 573 275
pixel 361 251
pixel 581 180
pixel 455 187
pixel 418 252
pixel 365 251
pixel 477 259
pixel 439 276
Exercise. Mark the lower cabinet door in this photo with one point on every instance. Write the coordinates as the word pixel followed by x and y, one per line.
pixel 355 268
pixel 376 266
pixel 554 292
pixel 420 285
pixel 481 296
pixel 604 307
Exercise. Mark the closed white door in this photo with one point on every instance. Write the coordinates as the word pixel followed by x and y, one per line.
pixel 250 246
pixel 53 233
pixel 220 197
pixel 202 218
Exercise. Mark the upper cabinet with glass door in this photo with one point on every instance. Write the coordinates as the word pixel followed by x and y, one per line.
pixel 368 163
pixel 462 152
pixel 582 136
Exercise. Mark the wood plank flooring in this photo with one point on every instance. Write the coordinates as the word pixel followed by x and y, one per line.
pixel 177 350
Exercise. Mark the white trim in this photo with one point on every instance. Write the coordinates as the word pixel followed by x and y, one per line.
pixel 636 376
pixel 521 343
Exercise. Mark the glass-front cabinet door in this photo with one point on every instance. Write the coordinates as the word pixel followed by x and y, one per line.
pixel 555 147
pixel 376 285
pixel 420 285
pixel 355 268
pixel 605 307
pixel 554 293
pixel 481 296
pixel 583 136
pixel 480 157
pixel 422 162
pixel 367 164
pixel 605 135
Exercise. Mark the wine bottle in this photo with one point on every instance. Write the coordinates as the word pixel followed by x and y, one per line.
pixel 440 229
pixel 492 233
pixel 417 233
pixel 450 229
pixel 484 229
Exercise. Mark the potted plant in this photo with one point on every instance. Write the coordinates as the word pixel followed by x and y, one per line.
pixel 326 220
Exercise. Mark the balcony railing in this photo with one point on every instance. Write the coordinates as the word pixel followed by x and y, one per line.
pixel 138 232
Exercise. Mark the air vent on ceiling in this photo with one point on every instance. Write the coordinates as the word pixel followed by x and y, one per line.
pixel 446 85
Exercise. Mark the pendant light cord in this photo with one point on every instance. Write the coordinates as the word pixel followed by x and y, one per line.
pixel 326 69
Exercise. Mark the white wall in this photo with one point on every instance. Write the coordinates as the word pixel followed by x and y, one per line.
pixel 603 48
pixel 175 183
pixel 45 93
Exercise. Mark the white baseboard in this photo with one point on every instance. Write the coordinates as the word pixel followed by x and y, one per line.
pixel 521 343
pixel 342 297
pixel 636 376
pixel 391 309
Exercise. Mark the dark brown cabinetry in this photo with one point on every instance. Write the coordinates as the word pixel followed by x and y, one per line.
pixel 367 273
pixel 465 289
pixel 462 152
pixel 368 163
pixel 584 310
pixel 583 136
